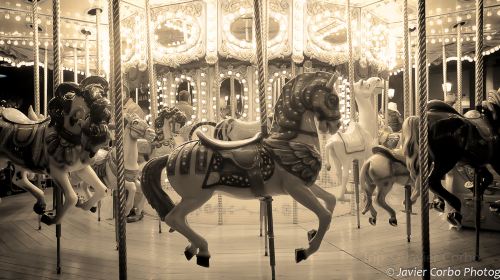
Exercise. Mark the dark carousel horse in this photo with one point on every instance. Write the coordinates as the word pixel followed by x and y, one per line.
pixel 454 138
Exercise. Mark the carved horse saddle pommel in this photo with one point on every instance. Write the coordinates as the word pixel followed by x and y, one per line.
pixel 395 155
pixel 441 106
pixel 482 126
pixel 227 145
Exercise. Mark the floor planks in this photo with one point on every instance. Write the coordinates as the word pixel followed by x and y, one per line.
pixel 88 248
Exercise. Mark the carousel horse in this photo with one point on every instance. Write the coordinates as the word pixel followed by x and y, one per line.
pixel 167 122
pixel 381 170
pixel 356 142
pixel 105 165
pixel 65 142
pixel 454 138
pixel 285 162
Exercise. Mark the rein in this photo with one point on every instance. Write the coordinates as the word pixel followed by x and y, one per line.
pixel 74 139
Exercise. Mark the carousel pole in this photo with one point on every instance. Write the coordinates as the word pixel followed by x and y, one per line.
pixel 220 217
pixel 445 70
pixel 355 164
pixel 479 89
pixel 458 104
pixel 406 63
pixel 295 214
pixel 111 61
pixel 36 57
pixel 423 133
pixel 86 33
pixel 151 66
pixel 56 32
pixel 75 64
pixel 36 77
pixel 117 86
pixel 45 79
pixel 96 11
pixel 261 64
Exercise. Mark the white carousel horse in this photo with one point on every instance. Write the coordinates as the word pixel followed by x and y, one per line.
pixel 65 142
pixel 356 142
pixel 105 167
pixel 381 170
pixel 286 162
pixel 166 140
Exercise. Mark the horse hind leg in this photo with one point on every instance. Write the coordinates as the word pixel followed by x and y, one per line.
pixel 20 179
pixel 131 189
pixel 306 197
pixel 381 196
pixel 176 219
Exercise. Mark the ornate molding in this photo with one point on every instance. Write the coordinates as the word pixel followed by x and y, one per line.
pixel 193 15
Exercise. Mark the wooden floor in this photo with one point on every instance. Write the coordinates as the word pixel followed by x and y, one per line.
pixel 237 250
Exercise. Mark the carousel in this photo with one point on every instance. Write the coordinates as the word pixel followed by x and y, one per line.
pixel 272 130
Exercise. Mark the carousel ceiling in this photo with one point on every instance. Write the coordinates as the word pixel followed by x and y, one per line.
pixel 210 30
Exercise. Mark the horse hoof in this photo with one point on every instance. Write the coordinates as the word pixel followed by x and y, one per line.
pixel 203 261
pixel 39 208
pixel 438 205
pixel 393 222
pixel 455 219
pixel 93 209
pixel 189 255
pixel 311 234
pixel 372 221
pixel 300 255
pixel 495 207
pixel 47 219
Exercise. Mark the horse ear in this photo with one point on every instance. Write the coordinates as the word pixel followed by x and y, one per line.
pixel 332 80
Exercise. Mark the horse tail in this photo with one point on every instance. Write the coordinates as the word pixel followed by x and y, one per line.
pixel 151 186
pixel 409 138
pixel 365 181
pixel 196 126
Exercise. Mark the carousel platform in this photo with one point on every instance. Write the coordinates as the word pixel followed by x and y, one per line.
pixel 88 248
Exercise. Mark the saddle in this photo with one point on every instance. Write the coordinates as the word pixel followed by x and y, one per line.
pixel 242 163
pixel 352 139
pixel 395 155
pixel 25 129
pixel 441 106
pixel 482 126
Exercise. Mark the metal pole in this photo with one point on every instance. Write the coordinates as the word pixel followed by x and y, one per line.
pixel 151 67
pixel 406 63
pixel 351 60
pixel 111 60
pixel 355 170
pixel 295 214
pixel 423 133
pixel 56 31
pixel 408 211
pixel 479 89
pixel 477 210
pixel 87 68
pixel 458 104
pixel 117 76
pixel 445 79
pixel 36 57
pixel 75 64
pixel 45 80
pixel 98 40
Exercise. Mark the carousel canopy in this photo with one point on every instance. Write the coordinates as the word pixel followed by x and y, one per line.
pixel 206 31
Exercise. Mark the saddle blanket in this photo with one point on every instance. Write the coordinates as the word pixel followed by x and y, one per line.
pixel 353 140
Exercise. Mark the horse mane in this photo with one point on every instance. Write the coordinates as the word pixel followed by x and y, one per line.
pixel 409 138
pixel 302 93
pixel 165 114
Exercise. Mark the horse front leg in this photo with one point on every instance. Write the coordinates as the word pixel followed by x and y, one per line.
pixel 70 198
pixel 87 174
pixel 303 195
pixel 131 189
pixel 20 179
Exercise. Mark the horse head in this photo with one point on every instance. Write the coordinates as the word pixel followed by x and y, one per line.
pixel 368 88
pixel 80 115
pixel 138 127
pixel 169 119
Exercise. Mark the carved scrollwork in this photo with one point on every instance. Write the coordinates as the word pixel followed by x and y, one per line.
pixel 186 20
pixel 243 49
